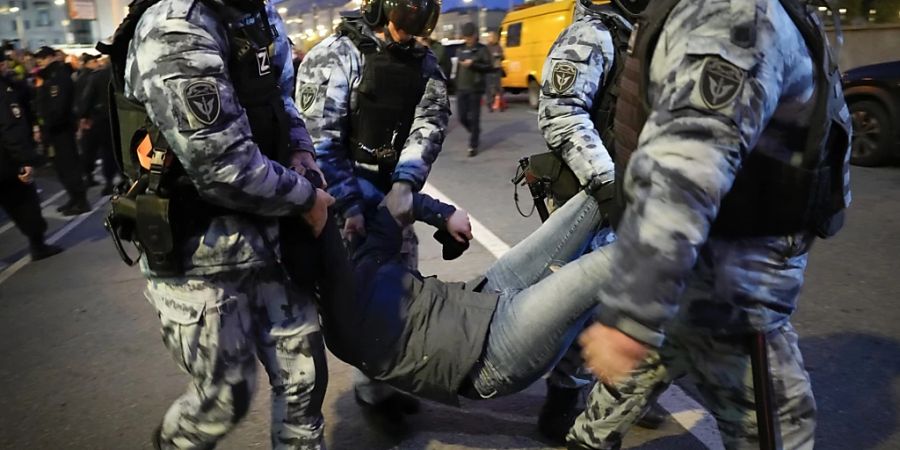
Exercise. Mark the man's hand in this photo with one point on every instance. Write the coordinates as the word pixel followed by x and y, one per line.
pixel 354 226
pixel 459 227
pixel 25 174
pixel 466 63
pixel 400 202
pixel 609 353
pixel 303 160
pixel 85 124
pixel 318 215
pixel 37 135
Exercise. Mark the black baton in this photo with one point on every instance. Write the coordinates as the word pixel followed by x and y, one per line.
pixel 762 391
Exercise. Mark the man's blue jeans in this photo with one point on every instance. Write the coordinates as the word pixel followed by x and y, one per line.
pixel 544 300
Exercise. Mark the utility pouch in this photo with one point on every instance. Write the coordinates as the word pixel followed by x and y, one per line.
pixel 156 235
pixel 549 168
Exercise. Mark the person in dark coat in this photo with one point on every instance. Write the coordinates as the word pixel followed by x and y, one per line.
pixel 54 102
pixel 475 62
pixel 88 154
pixel 94 118
pixel 18 196
pixel 492 336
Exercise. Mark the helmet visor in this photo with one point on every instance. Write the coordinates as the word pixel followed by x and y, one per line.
pixel 416 17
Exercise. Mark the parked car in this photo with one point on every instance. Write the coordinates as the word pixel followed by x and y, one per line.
pixel 873 95
pixel 527 33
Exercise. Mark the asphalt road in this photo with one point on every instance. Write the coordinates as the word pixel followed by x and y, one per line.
pixel 83 366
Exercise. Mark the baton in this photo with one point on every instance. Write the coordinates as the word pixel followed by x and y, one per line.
pixel 762 391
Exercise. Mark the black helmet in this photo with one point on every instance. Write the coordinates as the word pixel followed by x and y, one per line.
pixel 416 17
pixel 632 7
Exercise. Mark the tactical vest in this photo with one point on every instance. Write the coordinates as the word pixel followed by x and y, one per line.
pixel 604 106
pixel 254 77
pixel 391 87
pixel 770 197
pixel 162 206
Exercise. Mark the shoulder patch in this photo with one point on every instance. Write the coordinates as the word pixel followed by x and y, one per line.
pixel 54 91
pixel 562 76
pixel 307 96
pixel 16 110
pixel 203 101
pixel 720 82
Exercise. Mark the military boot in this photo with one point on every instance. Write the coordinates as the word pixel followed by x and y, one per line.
pixel 558 414
pixel 41 251
pixel 79 206
pixel 653 416
pixel 579 446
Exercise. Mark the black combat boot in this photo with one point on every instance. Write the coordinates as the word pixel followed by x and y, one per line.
pixel 68 204
pixel 79 206
pixel 41 251
pixel 558 414
pixel 653 416
pixel 579 446
pixel 389 414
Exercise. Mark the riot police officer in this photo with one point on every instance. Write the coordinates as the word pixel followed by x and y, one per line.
pixel 214 81
pixel 18 196
pixel 732 139
pixel 376 105
pixel 54 103
pixel 575 115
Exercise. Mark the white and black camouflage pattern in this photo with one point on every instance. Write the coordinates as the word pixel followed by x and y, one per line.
pixel 179 46
pixel 674 285
pixel 233 304
pixel 326 89
pixel 575 70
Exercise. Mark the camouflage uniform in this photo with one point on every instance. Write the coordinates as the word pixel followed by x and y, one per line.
pixel 233 301
pixel 709 292
pixel 328 79
pixel 576 69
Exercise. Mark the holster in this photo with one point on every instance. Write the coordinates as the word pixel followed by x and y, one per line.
pixel 156 234
pixel 548 168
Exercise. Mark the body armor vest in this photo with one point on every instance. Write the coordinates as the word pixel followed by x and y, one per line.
pixel 254 77
pixel 604 106
pixel 162 206
pixel 391 87
pixel 769 197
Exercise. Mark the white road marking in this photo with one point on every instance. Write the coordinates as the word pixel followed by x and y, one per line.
pixel 74 222
pixel 44 204
pixel 687 412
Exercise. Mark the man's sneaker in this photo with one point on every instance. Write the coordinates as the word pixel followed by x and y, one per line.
pixel 389 415
pixel 472 151
pixel 653 417
pixel 560 409
pixel 44 251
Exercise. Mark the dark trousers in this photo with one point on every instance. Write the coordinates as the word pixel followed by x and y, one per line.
pixel 66 162
pixel 99 139
pixel 469 110
pixel 21 203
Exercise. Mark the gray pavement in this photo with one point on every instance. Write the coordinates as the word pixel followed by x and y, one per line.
pixel 83 366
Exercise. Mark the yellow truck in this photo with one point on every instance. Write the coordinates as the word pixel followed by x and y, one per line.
pixel 526 35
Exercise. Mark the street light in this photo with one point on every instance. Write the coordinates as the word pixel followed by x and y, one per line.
pixel 59 2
